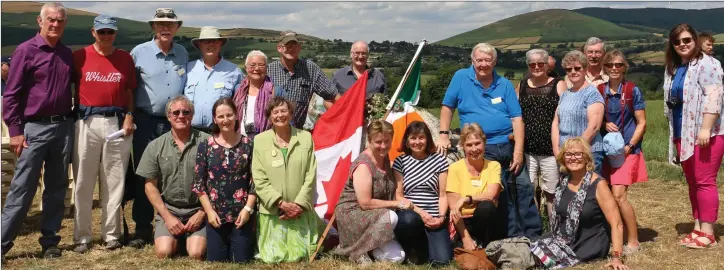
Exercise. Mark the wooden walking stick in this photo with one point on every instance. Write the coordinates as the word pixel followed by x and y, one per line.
pixel 321 239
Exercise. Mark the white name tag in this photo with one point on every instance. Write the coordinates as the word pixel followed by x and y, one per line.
pixel 218 85
pixel 496 100
pixel 477 183
pixel 277 163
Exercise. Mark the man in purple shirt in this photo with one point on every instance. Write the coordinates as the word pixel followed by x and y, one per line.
pixel 37 109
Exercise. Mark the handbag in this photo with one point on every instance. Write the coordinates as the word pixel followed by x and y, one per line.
pixel 472 259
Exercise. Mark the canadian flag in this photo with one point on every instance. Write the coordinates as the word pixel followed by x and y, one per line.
pixel 337 138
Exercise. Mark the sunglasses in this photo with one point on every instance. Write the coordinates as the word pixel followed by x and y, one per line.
pixel 162 14
pixel 577 69
pixel 533 65
pixel 685 40
pixel 178 112
pixel 104 32
pixel 617 65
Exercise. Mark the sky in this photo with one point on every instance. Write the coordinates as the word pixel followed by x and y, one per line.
pixel 350 21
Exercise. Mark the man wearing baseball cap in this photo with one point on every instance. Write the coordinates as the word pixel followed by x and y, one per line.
pixel 105 84
pixel 299 77
pixel 161 66
pixel 210 77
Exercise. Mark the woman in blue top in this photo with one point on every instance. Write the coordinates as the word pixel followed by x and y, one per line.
pixel 580 110
pixel 625 113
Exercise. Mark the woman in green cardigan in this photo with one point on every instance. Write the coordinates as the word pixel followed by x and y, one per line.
pixel 285 171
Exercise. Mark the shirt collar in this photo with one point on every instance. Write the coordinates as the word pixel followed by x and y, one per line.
pixel 158 50
pixel 40 42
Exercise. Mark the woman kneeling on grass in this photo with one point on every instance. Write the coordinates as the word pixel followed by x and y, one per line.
pixel 624 114
pixel 225 188
pixel 583 205
pixel 421 176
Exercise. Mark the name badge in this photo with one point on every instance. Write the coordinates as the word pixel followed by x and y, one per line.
pixel 496 100
pixel 477 183
pixel 277 163
pixel 218 85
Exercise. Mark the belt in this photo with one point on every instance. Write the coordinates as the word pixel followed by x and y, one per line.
pixel 50 119
pixel 109 114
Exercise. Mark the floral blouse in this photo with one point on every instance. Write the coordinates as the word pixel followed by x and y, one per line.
pixel 224 174
pixel 703 93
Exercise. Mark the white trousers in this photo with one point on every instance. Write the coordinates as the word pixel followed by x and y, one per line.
pixel 94 158
pixel 392 250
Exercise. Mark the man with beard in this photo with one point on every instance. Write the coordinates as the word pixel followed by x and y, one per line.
pixel 594 50
pixel 161 67
pixel 210 77
pixel 37 109
pixel 485 98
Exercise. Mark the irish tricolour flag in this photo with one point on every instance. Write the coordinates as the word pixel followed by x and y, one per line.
pixel 337 137
pixel 401 109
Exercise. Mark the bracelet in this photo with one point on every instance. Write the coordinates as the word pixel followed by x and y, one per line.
pixel 470 199
pixel 616 255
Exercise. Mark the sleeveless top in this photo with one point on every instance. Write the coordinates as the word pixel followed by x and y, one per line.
pixel 593 237
pixel 539 108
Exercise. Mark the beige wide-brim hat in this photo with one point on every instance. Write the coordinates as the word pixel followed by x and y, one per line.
pixel 165 15
pixel 209 32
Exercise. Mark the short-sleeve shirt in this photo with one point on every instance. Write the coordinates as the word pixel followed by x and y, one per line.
pixel 103 81
pixel 573 115
pixel 204 87
pixel 460 181
pixel 627 124
pixel 492 108
pixel 344 78
pixel 299 85
pixel 224 174
pixel 173 169
pixel 421 180
pixel 161 77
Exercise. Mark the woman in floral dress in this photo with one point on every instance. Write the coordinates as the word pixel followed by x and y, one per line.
pixel 225 187
pixel 365 212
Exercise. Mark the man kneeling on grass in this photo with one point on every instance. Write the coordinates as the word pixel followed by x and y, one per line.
pixel 168 164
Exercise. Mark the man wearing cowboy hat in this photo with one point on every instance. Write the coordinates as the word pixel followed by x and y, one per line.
pixel 161 66
pixel 210 77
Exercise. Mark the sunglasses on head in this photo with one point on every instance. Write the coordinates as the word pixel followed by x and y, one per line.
pixel 568 70
pixel 106 32
pixel 539 64
pixel 685 40
pixel 178 112
pixel 162 14
pixel 617 65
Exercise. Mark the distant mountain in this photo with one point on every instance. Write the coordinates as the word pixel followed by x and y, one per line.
pixel 552 25
pixel 662 18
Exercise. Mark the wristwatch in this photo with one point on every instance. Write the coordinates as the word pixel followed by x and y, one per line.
pixel 470 199
pixel 445 132
pixel 129 113
pixel 630 145
pixel 249 209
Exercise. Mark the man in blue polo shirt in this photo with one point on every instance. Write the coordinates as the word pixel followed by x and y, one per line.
pixel 161 67
pixel 481 96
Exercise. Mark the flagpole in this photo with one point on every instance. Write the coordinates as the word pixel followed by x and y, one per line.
pixel 404 77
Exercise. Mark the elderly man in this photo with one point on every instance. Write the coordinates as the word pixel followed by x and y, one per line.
pixel 167 166
pixel 345 77
pixel 210 77
pixel 485 98
pixel 5 69
pixel 105 84
pixel 594 50
pixel 552 67
pixel 37 108
pixel 161 66
pixel 299 77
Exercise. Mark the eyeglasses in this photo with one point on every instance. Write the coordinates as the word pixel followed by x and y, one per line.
pixel 487 61
pixel 577 69
pixel 360 53
pixel 178 112
pixel 256 66
pixel 617 65
pixel 165 24
pixel 685 40
pixel 539 64
pixel 569 155
pixel 104 32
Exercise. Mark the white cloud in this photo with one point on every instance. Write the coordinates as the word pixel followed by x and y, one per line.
pixel 410 21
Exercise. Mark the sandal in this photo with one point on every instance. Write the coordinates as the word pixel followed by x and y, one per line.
pixel 689 237
pixel 696 244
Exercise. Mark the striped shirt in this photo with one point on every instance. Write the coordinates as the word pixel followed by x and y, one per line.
pixel 420 180
pixel 573 115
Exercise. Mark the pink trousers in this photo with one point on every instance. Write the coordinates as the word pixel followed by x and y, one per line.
pixel 701 171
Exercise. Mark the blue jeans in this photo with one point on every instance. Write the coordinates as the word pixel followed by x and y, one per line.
pixel 598 159
pixel 521 216
pixel 227 243
pixel 412 233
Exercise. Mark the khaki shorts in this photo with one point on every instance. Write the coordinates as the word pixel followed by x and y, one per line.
pixel 549 171
pixel 162 230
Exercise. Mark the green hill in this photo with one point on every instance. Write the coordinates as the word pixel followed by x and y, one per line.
pixel 662 18
pixel 554 25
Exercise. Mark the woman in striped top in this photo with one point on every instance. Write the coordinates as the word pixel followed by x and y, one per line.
pixel 421 176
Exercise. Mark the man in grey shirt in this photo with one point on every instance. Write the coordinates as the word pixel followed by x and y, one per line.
pixel 345 77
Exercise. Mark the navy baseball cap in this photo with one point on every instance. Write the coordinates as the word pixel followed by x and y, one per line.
pixel 6 60
pixel 104 22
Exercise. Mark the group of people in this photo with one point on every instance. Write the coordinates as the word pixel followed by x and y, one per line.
pixel 223 160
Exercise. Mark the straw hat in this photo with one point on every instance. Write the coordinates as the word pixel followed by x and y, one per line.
pixel 209 32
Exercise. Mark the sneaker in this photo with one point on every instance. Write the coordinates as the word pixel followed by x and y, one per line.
pixel 51 252
pixel 82 248
pixel 138 243
pixel 113 244
pixel 628 250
